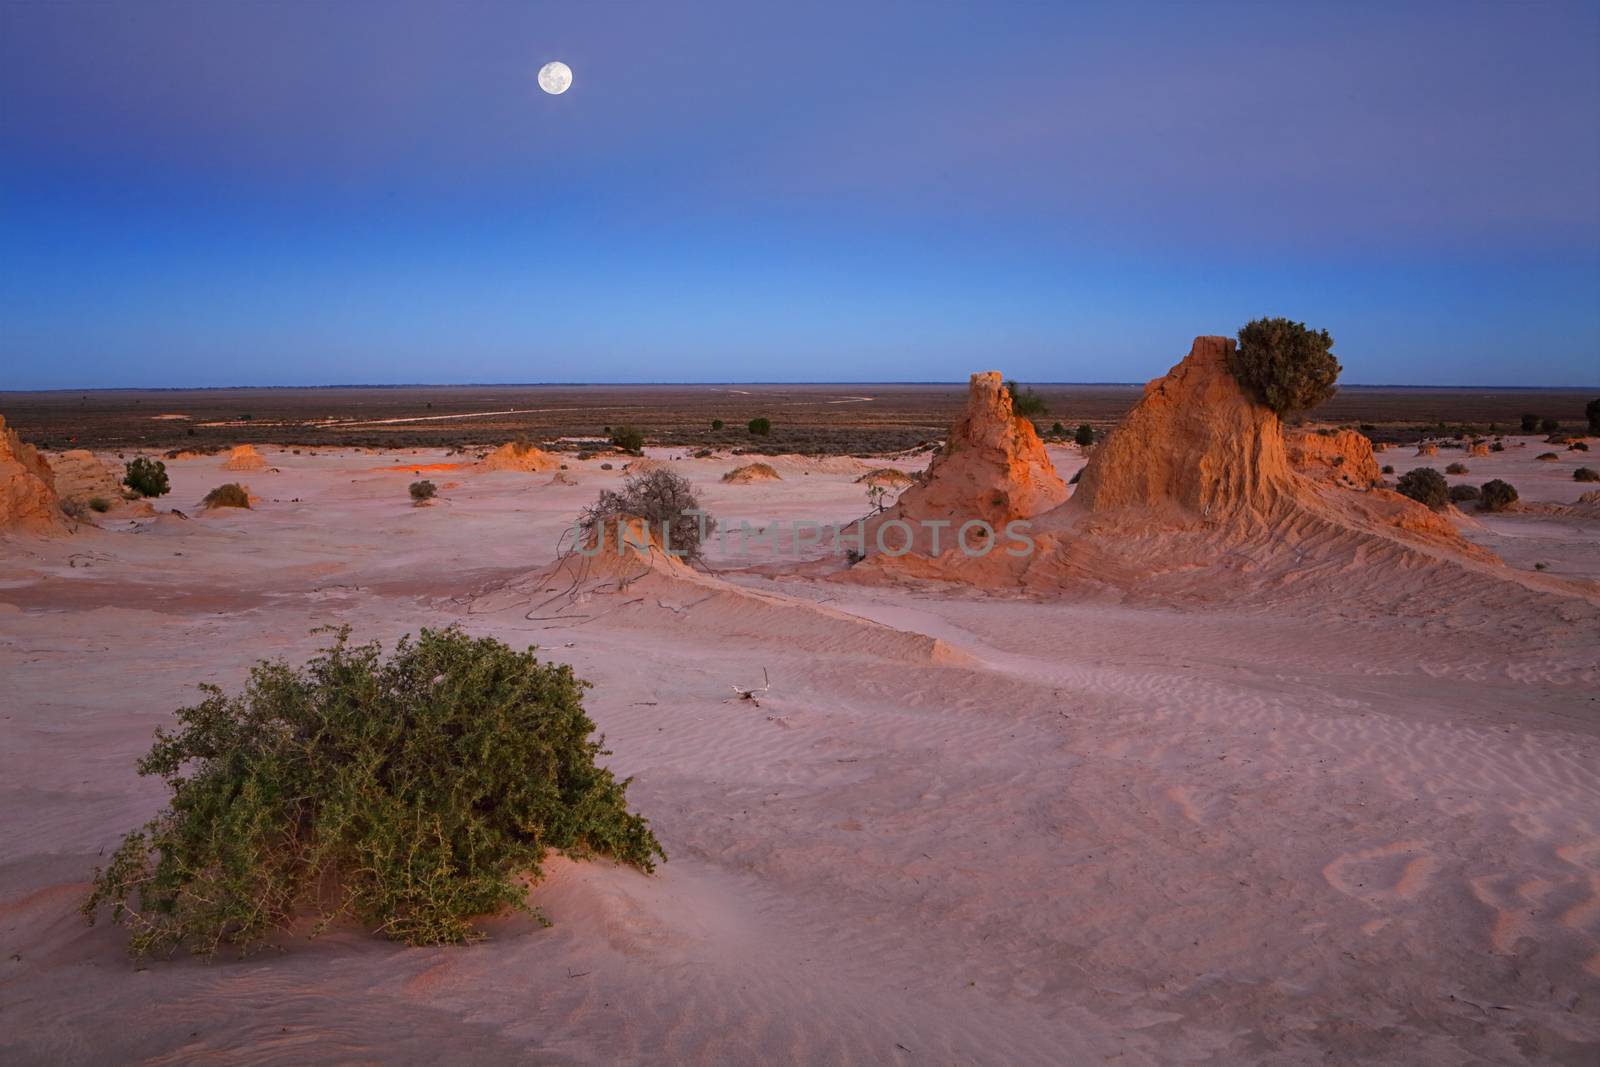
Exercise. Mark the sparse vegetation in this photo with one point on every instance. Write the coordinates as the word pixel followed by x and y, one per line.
pixel 716 424
pixel 752 472
pixel 1498 495
pixel 409 794
pixel 1462 494
pixel 1085 435
pixel 663 499
pixel 1426 486
pixel 1586 474
pixel 1591 411
pixel 99 504
pixel 227 495
pixel 1456 468
pixel 628 439
pixel 761 427
pixel 1548 457
pixel 1549 425
pixel 147 477
pixel 1057 430
pixel 1285 365
pixel 1388 468
pixel 423 491
pixel 1026 402
pixel 1530 422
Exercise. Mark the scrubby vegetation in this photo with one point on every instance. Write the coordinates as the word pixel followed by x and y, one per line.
pixel 409 794
pixel 1085 435
pixel 752 472
pixel 1456 468
pixel 1591 411
pixel 99 504
pixel 1498 495
pixel 147 477
pixel 227 495
pixel 1388 468
pixel 716 424
pixel 761 427
pixel 423 491
pixel 1548 457
pixel 1285 365
pixel 1426 486
pixel 1026 402
pixel 1549 425
pixel 1462 494
pixel 663 499
pixel 1586 474
pixel 628 439
pixel 1530 422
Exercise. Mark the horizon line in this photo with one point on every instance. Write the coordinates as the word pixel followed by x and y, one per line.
pixel 767 384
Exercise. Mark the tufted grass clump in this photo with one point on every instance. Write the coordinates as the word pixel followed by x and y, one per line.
pixel 227 495
pixel 408 793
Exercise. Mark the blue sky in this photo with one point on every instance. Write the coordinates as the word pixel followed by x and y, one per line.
pixel 250 194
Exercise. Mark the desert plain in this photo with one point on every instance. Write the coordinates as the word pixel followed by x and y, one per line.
pixel 1285 772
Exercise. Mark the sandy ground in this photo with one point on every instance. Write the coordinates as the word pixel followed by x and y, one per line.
pixel 1093 833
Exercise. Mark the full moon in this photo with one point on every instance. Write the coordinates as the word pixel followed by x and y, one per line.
pixel 555 78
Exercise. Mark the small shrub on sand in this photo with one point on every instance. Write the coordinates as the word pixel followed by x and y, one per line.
pixel 1456 468
pixel 1085 435
pixel 1578 446
pixel 1388 468
pixel 1586 474
pixel 1498 495
pixel 409 794
pixel 1462 494
pixel 663 499
pixel 423 491
pixel 1547 457
pixel 100 504
pixel 227 495
pixel 628 438
pixel 1026 402
pixel 1285 365
pixel 1426 486
pixel 73 509
pixel 752 472
pixel 1498 446
pixel 147 477
pixel 761 427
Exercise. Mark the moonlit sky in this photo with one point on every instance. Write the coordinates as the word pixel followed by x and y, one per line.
pixel 251 194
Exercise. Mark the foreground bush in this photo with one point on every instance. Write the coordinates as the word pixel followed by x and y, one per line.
pixel 1285 365
pixel 227 495
pixel 1426 486
pixel 1498 495
pixel 663 499
pixel 147 477
pixel 1586 474
pixel 409 794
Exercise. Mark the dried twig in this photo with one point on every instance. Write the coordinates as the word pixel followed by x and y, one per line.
pixel 751 695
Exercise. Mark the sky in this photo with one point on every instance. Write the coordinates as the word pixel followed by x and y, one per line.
pixel 227 193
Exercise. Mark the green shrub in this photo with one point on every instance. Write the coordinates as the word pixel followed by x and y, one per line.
pixel 227 495
pixel 1498 446
pixel 1026 403
pixel 1548 457
pixel 1057 430
pixel 100 504
pixel 147 477
pixel 663 499
pixel 1285 365
pixel 1388 469
pixel 1456 468
pixel 716 424
pixel 1586 474
pixel 409 794
pixel 1530 422
pixel 423 491
pixel 1549 425
pixel 1461 494
pixel 1426 486
pixel 1498 495
pixel 1591 411
pixel 1085 435
pixel 761 427
pixel 628 438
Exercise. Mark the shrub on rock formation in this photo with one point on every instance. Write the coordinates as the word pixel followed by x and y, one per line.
pixel 1026 402
pixel 1461 494
pixel 1426 486
pixel 1586 474
pixel 1285 365
pixel 664 500
pixel 1498 495
pixel 227 495
pixel 423 491
pixel 761 427
pixel 410 794
pixel 1456 468
pixel 147 477
pixel 628 438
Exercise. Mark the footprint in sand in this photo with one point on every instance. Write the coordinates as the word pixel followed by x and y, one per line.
pixel 1385 875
